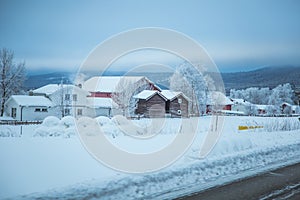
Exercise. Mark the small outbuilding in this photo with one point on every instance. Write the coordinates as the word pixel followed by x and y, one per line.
pixel 28 108
pixel 150 103
pixel 177 104
pixel 217 101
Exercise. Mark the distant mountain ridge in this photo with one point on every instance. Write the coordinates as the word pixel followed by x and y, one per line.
pixel 264 77
pixel 38 80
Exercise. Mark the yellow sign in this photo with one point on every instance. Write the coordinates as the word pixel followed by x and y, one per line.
pixel 241 128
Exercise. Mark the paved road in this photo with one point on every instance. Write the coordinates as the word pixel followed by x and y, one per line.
pixel 282 183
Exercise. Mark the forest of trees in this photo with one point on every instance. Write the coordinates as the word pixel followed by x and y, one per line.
pixel 265 96
pixel 273 98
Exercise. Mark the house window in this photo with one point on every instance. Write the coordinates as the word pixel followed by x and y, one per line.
pixel 67 97
pixel 13 112
pixel 179 100
pixel 79 112
pixel 74 97
pixel 67 111
pixel 41 110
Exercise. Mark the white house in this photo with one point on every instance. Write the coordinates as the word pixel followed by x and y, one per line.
pixel 66 99
pixel 217 101
pixel 105 86
pixel 27 108
pixel 112 94
pixel 97 106
pixel 241 105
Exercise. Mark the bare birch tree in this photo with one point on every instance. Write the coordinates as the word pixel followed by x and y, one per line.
pixel 12 77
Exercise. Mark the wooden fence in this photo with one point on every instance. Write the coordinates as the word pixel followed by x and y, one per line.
pixel 14 122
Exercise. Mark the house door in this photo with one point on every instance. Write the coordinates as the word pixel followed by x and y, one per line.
pixel 167 108
pixel 13 112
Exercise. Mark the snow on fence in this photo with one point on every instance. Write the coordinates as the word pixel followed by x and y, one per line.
pixel 13 122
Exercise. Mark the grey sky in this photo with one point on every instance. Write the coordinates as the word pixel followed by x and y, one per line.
pixel 238 35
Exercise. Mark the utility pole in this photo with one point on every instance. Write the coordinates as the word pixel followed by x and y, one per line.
pixel 62 98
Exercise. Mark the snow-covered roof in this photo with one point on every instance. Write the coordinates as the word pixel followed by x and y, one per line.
pixel 146 94
pixel 240 101
pixel 218 98
pixel 50 88
pixel 285 103
pixel 232 112
pixel 98 102
pixel 261 107
pixel 171 95
pixel 24 100
pixel 110 83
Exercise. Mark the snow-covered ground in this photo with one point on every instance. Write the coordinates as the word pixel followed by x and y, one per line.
pixel 49 160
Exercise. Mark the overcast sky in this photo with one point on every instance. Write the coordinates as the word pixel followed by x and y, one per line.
pixel 238 35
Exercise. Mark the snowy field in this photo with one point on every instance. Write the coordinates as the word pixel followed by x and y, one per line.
pixel 49 160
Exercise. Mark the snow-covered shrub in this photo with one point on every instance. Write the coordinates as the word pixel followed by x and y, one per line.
pixel 282 124
pixel 90 126
pixel 68 132
pixel 53 127
pixel 41 131
pixel 8 132
pixel 67 121
pixel 50 121
pixel 44 131
pixel 119 120
pixel 102 120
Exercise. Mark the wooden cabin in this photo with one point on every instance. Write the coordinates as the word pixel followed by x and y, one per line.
pixel 177 104
pixel 150 104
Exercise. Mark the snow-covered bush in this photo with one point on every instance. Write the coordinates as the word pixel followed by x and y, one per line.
pixel 102 120
pixel 53 127
pixel 281 124
pixel 50 121
pixel 67 121
pixel 8 132
pixel 119 120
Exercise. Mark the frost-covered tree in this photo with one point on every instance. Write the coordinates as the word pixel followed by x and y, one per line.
pixel 251 109
pixel 272 110
pixel 237 94
pixel 191 82
pixel 253 95
pixel 12 76
pixel 264 94
pixel 297 110
pixel 125 91
pixel 281 94
pixel 287 110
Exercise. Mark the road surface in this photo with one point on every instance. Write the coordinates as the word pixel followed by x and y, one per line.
pixel 283 183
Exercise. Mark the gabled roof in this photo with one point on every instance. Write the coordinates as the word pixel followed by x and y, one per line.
pixel 111 83
pixel 285 103
pixel 147 94
pixel 261 107
pixel 24 100
pixel 98 102
pixel 49 89
pixel 240 101
pixel 171 95
pixel 52 88
pixel 218 98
